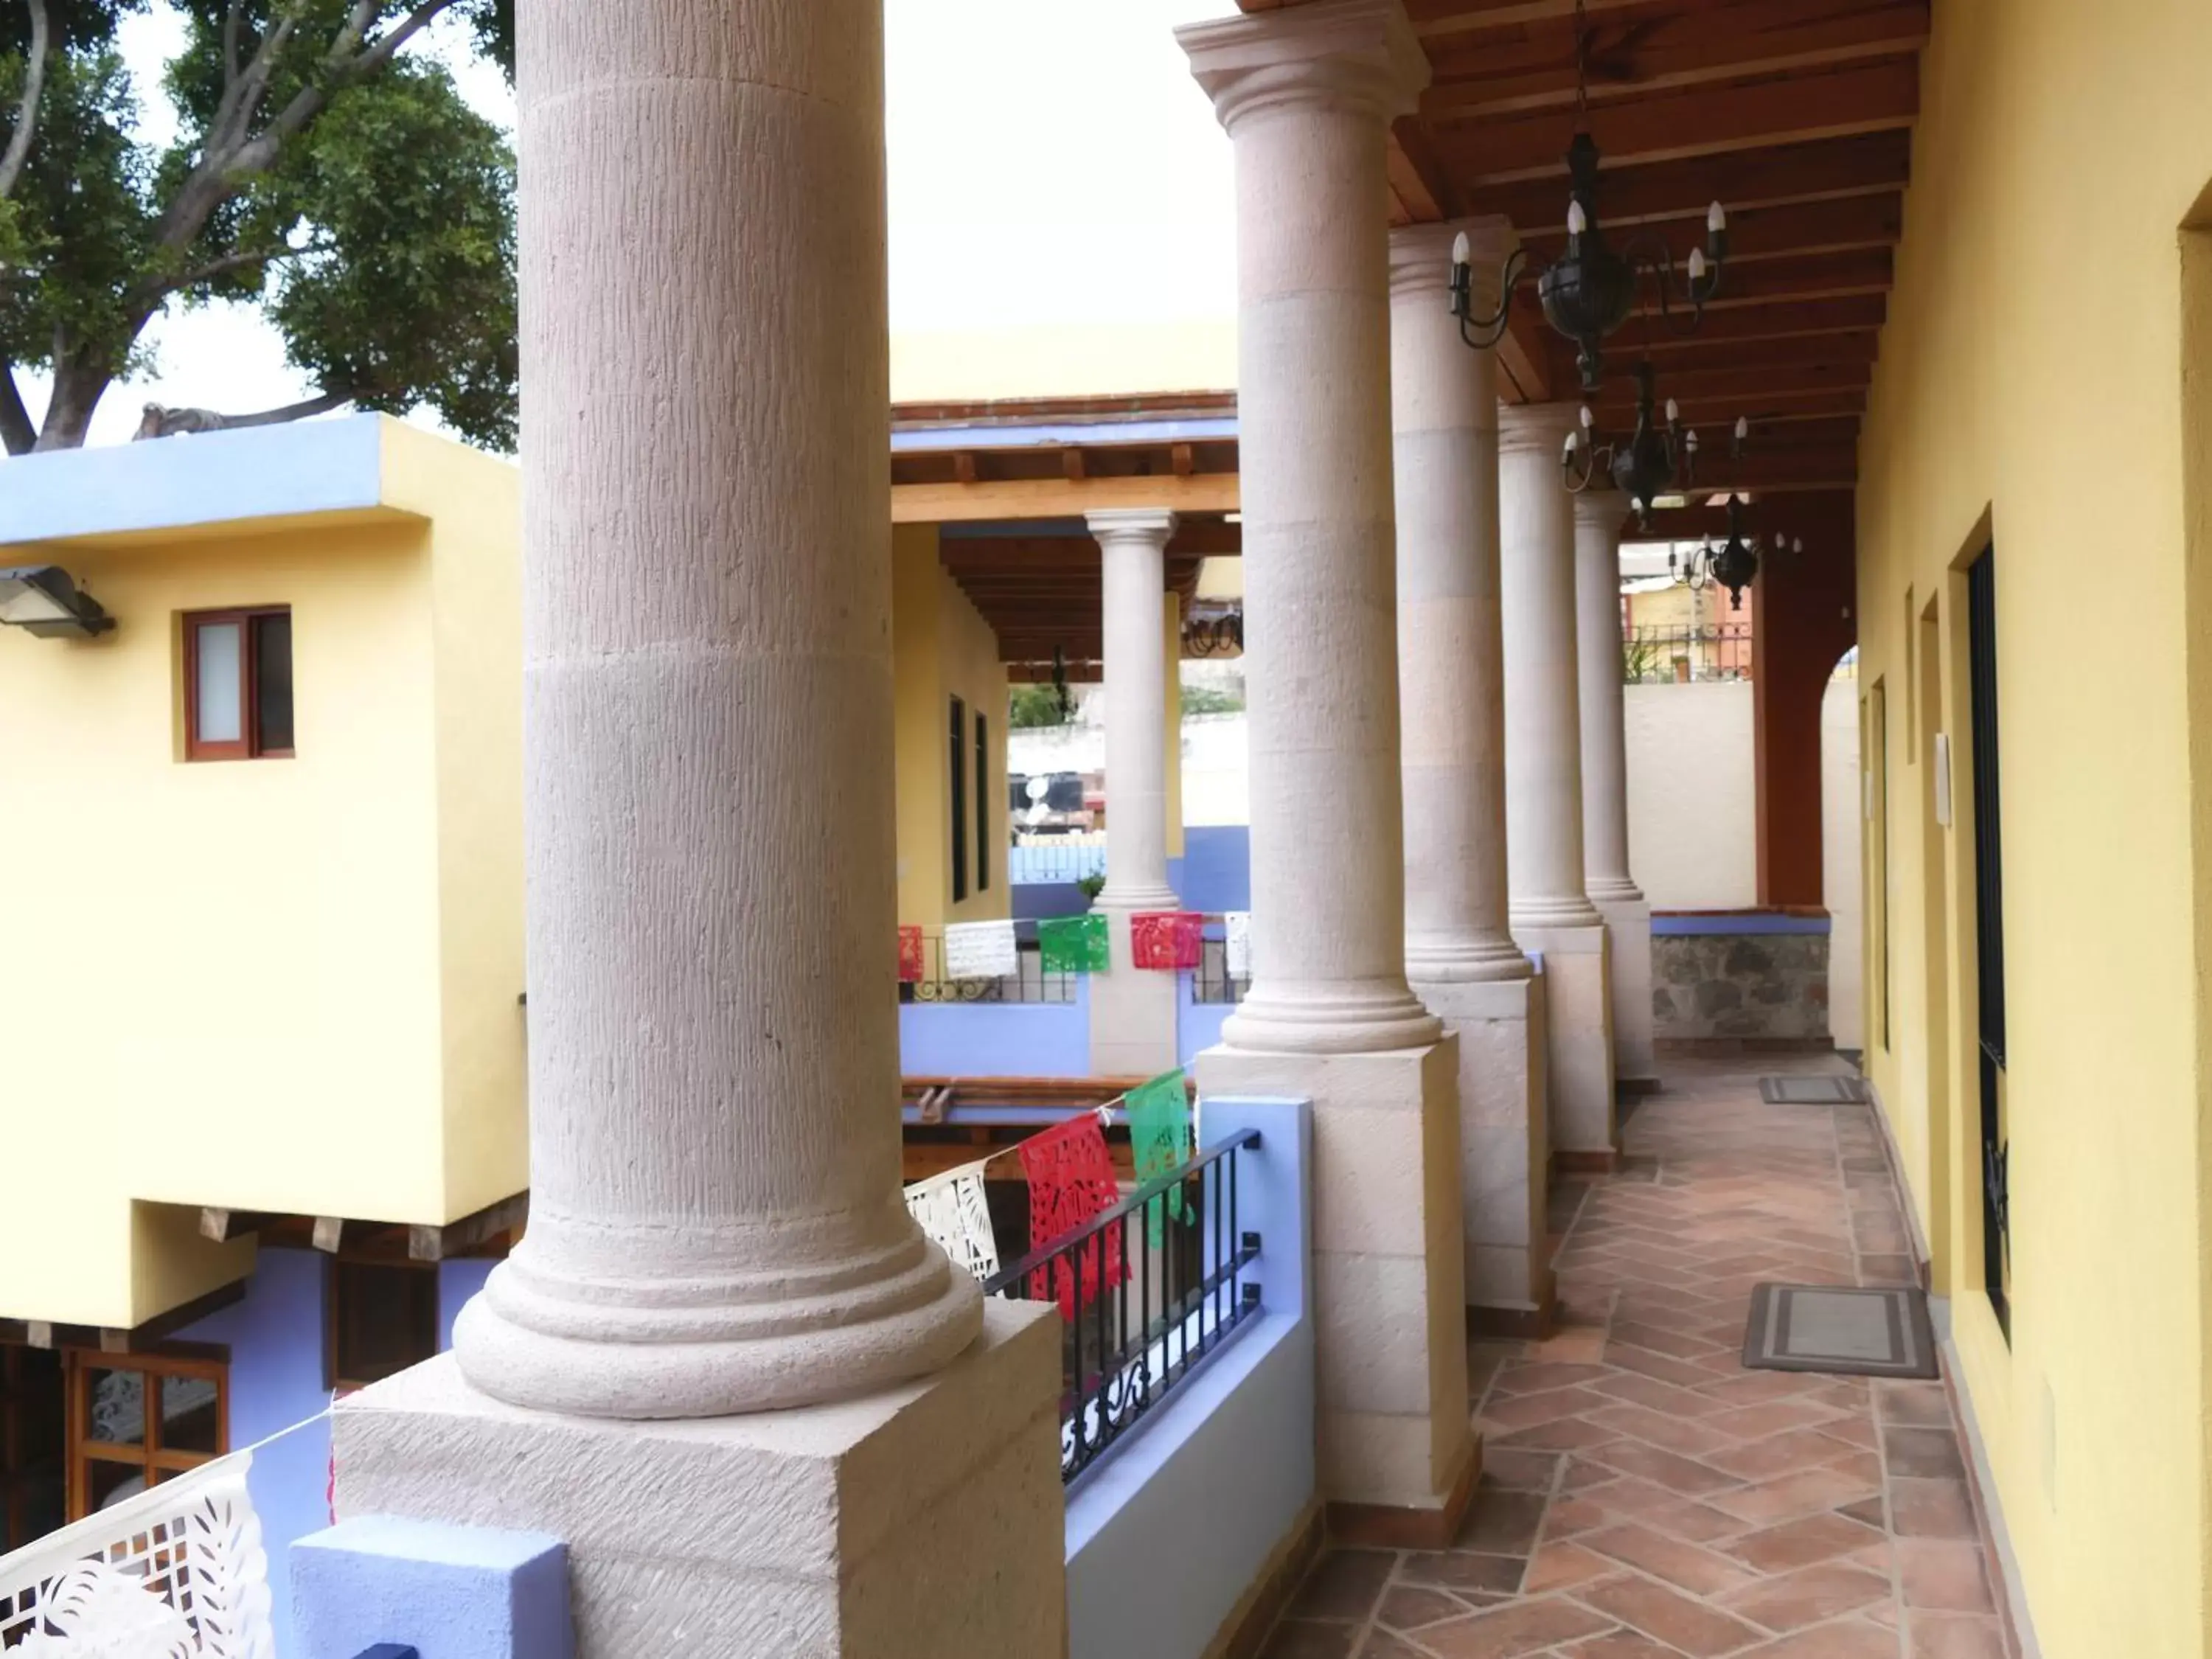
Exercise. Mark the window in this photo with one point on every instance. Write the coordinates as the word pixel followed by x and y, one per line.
pixel 983 803
pixel 32 1503
pixel 959 800
pixel 383 1318
pixel 238 684
pixel 135 1419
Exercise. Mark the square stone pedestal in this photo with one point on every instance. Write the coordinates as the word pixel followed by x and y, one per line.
pixel 1628 930
pixel 1398 1456
pixel 1578 1032
pixel 1133 1012
pixel 924 1522
pixel 1505 1148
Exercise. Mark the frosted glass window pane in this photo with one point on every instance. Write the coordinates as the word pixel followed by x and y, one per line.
pixel 219 716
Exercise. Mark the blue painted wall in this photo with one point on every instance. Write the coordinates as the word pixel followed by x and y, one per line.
pixel 275 1336
pixel 1215 871
pixel 1167 1533
pixel 1198 1025
pixel 997 1039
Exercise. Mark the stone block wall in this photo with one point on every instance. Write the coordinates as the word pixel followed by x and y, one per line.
pixel 1739 983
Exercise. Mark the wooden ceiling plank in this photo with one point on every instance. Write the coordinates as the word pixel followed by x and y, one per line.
pixel 1794 109
pixel 1823 170
pixel 1664 50
pixel 1784 231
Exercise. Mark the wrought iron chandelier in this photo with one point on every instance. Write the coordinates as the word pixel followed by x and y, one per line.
pixel 1214 633
pixel 1589 290
pixel 1651 461
pixel 1732 564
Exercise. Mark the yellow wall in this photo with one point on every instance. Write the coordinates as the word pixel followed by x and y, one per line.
pixel 942 648
pixel 262 985
pixel 2031 380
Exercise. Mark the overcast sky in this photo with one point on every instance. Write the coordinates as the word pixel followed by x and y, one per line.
pixel 1050 160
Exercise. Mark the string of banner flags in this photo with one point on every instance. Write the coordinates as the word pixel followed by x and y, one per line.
pixel 1163 940
pixel 1070 1177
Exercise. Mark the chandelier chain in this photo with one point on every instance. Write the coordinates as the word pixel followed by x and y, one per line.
pixel 1581 64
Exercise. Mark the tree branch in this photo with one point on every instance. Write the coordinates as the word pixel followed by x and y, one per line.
pixel 313 98
pixel 155 287
pixel 321 404
pixel 26 113
pixel 232 19
pixel 17 434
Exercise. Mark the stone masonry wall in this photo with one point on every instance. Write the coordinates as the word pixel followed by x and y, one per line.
pixel 1739 985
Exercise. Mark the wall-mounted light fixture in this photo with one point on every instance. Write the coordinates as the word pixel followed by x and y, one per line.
pixel 41 599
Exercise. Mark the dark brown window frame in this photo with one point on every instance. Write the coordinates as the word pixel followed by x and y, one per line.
pixel 154 1459
pixel 247 745
pixel 336 1378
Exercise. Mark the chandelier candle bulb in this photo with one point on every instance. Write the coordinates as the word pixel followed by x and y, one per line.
pixel 1460 252
pixel 1577 220
pixel 1716 219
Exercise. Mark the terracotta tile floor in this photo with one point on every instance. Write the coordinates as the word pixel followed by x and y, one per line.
pixel 1643 1494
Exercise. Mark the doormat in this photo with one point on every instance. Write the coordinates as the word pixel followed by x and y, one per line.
pixel 1840 1330
pixel 1820 1088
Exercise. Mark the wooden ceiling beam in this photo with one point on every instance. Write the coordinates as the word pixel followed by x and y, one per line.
pixel 1825 170
pixel 1765 405
pixel 1663 48
pixel 1848 315
pixel 1059 497
pixel 1708 356
pixel 1787 230
pixel 1714 121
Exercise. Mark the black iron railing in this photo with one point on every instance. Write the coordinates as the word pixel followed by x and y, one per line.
pixel 1149 1291
pixel 1211 982
pixel 1672 654
pixel 1029 982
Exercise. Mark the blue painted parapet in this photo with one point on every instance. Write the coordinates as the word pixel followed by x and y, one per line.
pixel 448 1592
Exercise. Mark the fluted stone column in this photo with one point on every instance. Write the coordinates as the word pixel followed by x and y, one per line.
pixel 1307 95
pixel 1132 1009
pixel 1459 953
pixel 1551 913
pixel 1598 515
pixel 716 1223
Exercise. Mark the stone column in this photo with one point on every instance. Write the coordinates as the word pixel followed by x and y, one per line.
pixel 1598 515
pixel 1551 913
pixel 716 1224
pixel 1132 1009
pixel 1459 953
pixel 1307 95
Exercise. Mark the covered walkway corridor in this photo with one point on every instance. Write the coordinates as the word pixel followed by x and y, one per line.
pixel 1644 1495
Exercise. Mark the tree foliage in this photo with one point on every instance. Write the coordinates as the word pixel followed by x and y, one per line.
pixel 322 171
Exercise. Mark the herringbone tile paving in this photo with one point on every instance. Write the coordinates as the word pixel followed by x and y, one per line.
pixel 1643 1496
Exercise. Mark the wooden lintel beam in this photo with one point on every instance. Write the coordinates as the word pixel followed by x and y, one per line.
pixel 967 466
pixel 1059 498
pixel 1524 360
pixel 458 1238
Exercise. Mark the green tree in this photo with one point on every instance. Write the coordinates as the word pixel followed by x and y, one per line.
pixel 1034 705
pixel 320 171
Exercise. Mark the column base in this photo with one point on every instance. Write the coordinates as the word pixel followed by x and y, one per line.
pixel 1132 1009
pixel 921 1523
pixel 1505 1143
pixel 1394 1430
pixel 1628 927
pixel 1579 1039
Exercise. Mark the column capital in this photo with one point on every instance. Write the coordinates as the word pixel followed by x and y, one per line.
pixel 1150 524
pixel 1604 510
pixel 1540 428
pixel 1420 257
pixel 1357 55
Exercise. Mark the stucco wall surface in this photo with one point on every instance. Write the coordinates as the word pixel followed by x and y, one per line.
pixel 2005 407
pixel 1691 793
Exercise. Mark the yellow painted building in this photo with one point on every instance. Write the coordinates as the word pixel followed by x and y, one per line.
pixel 950 728
pixel 2041 400
pixel 264 950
